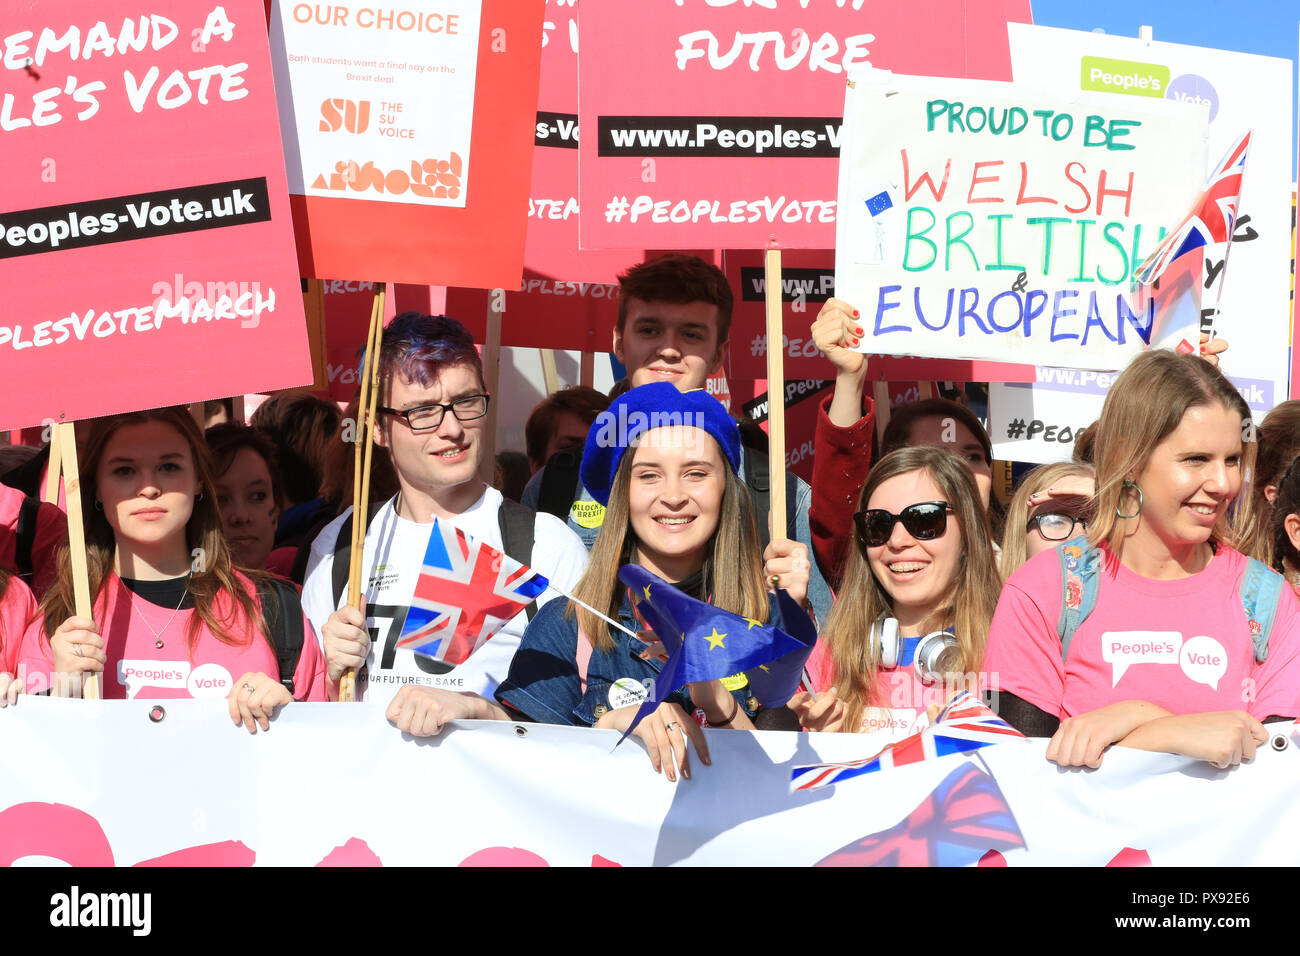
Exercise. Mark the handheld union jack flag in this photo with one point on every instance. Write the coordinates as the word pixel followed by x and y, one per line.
pixel 466 592
pixel 1169 281
pixel 955 825
pixel 964 726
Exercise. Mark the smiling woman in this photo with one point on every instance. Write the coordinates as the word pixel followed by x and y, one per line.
pixel 172 617
pixel 1157 634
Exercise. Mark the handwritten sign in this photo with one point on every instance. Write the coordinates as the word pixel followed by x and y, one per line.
pixel 988 222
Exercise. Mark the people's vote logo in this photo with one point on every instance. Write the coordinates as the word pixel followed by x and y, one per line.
pixel 1203 659
pixel 209 682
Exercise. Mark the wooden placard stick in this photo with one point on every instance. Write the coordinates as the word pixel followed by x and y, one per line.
pixel 53 466
pixel 550 375
pixel 924 390
pixel 361 468
pixel 491 379
pixel 76 538
pixel 587 369
pixel 775 393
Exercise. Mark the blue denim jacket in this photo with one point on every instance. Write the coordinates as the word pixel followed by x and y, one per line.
pixel 819 592
pixel 544 684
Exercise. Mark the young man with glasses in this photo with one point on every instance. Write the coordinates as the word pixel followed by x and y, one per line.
pixel 431 410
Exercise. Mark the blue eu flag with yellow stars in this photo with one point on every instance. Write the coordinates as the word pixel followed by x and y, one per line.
pixel 707 643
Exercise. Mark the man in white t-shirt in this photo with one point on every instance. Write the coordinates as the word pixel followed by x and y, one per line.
pixel 432 403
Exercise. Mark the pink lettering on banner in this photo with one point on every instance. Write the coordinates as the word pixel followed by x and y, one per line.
pixel 992 858
pixel 1130 857
pixel 53 830
pixel 226 853
pixel 356 852
pixel 504 856
pixel 598 860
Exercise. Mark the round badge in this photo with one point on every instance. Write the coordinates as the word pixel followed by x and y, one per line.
pixel 588 514
pixel 625 692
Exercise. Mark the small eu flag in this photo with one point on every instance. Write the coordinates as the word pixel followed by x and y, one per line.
pixel 879 203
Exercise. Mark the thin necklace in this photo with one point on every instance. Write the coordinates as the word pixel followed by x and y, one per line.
pixel 157 635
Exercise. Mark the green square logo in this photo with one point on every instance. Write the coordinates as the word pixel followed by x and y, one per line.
pixel 1124 76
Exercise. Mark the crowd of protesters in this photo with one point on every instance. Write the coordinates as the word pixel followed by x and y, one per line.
pixel 1088 610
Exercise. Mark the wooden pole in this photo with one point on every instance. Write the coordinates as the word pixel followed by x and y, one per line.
pixel 53 466
pixel 76 538
pixel 775 393
pixel 491 379
pixel 361 458
pixel 549 373
pixel 587 369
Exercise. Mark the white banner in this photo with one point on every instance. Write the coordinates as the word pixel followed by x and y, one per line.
pixel 105 784
pixel 993 221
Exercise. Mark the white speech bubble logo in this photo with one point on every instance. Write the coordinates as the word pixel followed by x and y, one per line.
pixel 134 676
pixel 209 682
pixel 1123 649
pixel 1204 660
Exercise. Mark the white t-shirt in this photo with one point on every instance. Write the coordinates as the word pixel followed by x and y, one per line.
pixel 394 554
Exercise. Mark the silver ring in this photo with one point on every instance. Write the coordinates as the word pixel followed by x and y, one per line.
pixel 670 726
pixel 77 648
pixel 249 687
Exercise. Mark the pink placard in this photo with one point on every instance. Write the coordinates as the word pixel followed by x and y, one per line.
pixel 146 250
pixel 718 125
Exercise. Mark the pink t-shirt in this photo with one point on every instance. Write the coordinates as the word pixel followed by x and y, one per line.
pixel 17 611
pixel 138 668
pixel 51 533
pixel 900 701
pixel 1184 645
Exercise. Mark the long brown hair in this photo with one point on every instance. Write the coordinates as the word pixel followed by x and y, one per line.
pixel 862 600
pixel 733 568
pixel 212 583
pixel 1279 443
pixel 1143 407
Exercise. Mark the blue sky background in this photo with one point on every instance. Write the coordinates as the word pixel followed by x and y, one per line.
pixel 1266 27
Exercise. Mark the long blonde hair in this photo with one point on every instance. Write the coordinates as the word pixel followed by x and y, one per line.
pixel 220 601
pixel 1143 407
pixel 862 600
pixel 733 566
pixel 1014 550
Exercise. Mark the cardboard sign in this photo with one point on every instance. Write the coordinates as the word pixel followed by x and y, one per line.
pixel 718 124
pixel 408 136
pixel 990 221
pixel 545 313
pixel 145 243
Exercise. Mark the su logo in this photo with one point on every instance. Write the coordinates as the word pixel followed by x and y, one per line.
pixel 339 114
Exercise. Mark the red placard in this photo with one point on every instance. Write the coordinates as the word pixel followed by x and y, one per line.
pixel 145 246
pixel 477 244
pixel 707 124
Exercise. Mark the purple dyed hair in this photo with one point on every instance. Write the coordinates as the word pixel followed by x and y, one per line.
pixel 421 346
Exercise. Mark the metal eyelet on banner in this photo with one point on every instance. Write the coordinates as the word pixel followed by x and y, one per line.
pixel 521 731
pixel 157 713
pixel 1279 742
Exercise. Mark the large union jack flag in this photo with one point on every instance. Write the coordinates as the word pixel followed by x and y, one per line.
pixel 964 726
pixel 466 592
pixel 1171 276
pixel 957 824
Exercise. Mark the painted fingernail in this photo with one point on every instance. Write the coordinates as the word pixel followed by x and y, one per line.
pixel 858 331
pixel 855 341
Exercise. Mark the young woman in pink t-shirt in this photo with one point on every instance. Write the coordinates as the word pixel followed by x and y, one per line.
pixel 1166 659
pixel 172 618
pixel 909 624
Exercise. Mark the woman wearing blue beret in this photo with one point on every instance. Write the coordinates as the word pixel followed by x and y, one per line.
pixel 664 463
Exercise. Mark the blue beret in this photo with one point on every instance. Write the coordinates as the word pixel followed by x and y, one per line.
pixel 638 410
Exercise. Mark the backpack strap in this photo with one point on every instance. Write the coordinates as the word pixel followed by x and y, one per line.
pixel 518 532
pixel 1261 591
pixel 758 480
pixel 343 552
pixel 1080 579
pixel 559 485
pixel 25 537
pixel 284 628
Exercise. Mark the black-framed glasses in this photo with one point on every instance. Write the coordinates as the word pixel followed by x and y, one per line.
pixel 924 522
pixel 1054 526
pixel 423 418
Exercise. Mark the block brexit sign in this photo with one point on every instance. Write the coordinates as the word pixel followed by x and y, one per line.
pixel 708 124
pixel 145 243
pixel 981 220
pixel 408 136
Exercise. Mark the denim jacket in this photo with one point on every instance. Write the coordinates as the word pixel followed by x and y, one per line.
pixel 544 683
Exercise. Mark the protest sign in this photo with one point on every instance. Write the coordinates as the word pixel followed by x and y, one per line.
pixel 718 124
pixel 408 136
pixel 180 791
pixel 993 222
pixel 545 313
pixel 1242 92
pixel 145 242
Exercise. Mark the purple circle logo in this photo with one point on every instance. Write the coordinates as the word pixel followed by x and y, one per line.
pixel 1190 88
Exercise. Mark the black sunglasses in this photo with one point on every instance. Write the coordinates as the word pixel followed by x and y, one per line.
pixel 924 522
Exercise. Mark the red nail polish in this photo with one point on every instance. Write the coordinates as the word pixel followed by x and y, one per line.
pixel 856 313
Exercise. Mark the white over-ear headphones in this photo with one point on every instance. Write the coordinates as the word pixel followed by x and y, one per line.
pixel 935 654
